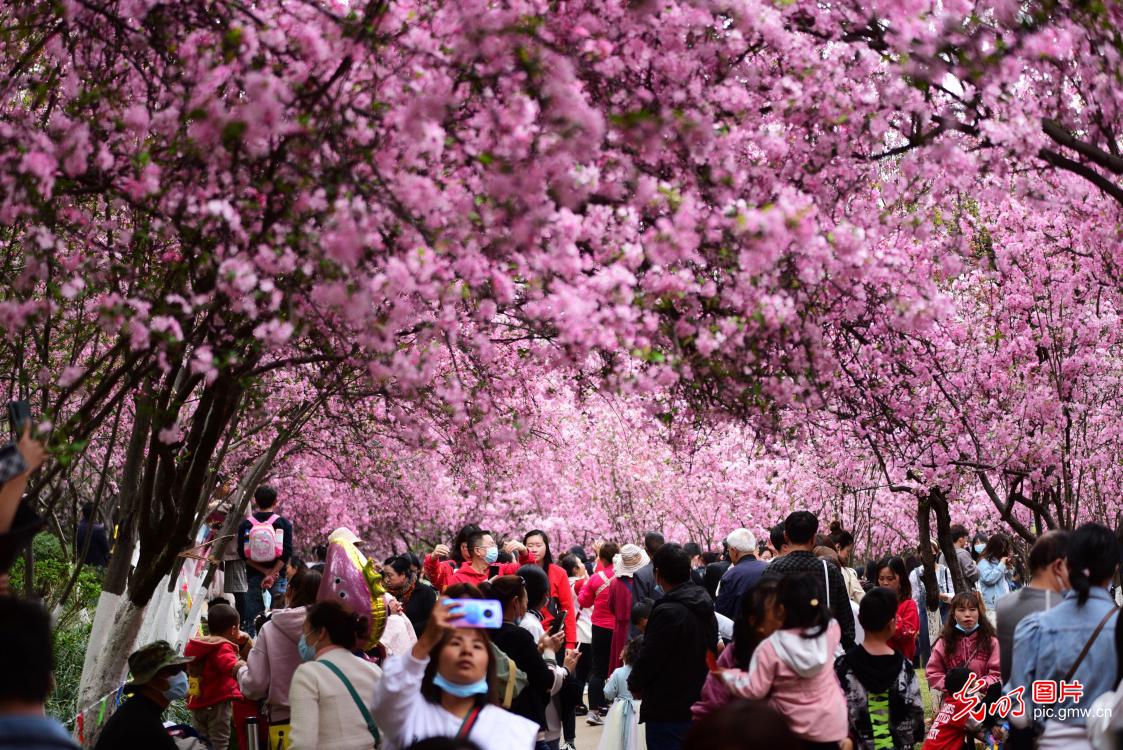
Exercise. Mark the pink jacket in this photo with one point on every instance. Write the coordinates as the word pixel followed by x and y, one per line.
pixel 588 597
pixel 969 652
pixel 714 692
pixel 796 676
pixel 272 661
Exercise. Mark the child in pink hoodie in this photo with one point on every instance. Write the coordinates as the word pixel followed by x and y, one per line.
pixel 794 667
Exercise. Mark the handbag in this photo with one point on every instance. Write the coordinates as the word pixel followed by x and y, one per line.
pixel 371 726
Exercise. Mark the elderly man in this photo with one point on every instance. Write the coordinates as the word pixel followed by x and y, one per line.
pixel 745 571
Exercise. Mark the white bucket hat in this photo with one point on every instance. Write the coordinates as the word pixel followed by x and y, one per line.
pixel 631 558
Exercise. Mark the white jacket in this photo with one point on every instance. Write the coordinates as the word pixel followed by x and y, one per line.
pixel 405 716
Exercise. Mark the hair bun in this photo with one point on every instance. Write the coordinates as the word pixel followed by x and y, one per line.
pixel 835 526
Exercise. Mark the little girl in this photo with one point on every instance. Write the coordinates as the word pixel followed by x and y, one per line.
pixel 793 667
pixel 968 640
pixel 622 730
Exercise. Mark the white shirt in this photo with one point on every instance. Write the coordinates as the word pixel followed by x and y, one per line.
pixel 324 714
pixel 405 716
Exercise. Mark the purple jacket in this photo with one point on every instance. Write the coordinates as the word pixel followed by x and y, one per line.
pixel 714 692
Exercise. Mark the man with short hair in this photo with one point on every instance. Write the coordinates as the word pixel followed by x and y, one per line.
pixel 1048 581
pixel 960 537
pixel 483 560
pixel 645 588
pixel 799 541
pixel 697 567
pixel 262 575
pixel 26 663
pixel 776 542
pixel 882 694
pixel 671 667
pixel 157 679
pixel 742 575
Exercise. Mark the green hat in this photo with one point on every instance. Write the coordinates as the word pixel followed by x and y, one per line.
pixel 146 661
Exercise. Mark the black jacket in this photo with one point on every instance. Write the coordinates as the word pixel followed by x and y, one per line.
pixel 420 606
pixel 137 723
pixel 519 644
pixel 802 561
pixel 671 667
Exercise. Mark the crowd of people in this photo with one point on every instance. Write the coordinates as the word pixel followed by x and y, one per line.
pixel 776 645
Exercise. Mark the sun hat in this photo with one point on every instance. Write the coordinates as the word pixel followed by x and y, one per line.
pixel 632 557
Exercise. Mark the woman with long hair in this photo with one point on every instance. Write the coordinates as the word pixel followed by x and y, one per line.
pixel 560 598
pixel 968 640
pixel 994 570
pixel 442 689
pixel 893 575
pixel 1072 642
pixel 843 543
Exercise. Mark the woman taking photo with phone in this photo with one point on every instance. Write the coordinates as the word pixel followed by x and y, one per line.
pixel 441 689
pixel 544 676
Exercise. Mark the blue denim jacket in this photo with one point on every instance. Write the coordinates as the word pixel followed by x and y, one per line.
pixel 1046 645
pixel 992 581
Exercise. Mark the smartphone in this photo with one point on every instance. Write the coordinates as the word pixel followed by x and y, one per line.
pixel 477 613
pixel 19 415
pixel 558 622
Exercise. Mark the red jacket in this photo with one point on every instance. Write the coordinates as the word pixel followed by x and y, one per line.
pixel 443 573
pixel 560 588
pixel 212 670
pixel 908 625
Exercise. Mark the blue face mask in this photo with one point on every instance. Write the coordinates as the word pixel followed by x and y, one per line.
pixel 492 555
pixel 307 653
pixel 177 687
pixel 964 630
pixel 979 548
pixel 460 691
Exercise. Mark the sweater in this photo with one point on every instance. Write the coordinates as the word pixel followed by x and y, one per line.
pixel 969 652
pixel 212 671
pixel 794 674
pixel 324 714
pixel 405 716
pixel 444 573
pixel 882 698
pixel 272 662
pixel 594 593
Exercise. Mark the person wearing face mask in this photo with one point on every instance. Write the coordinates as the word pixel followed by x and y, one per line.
pixel 959 537
pixel 157 679
pixel 1047 584
pixel 330 687
pixel 967 640
pixel 441 688
pixel 483 554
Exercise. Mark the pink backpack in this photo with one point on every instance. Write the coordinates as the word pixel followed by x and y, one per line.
pixel 264 544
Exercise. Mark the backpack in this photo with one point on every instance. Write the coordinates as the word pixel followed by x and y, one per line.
pixel 264 544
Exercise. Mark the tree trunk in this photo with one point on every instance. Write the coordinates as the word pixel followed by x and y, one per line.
pixel 947 547
pixel 116 624
pixel 931 585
